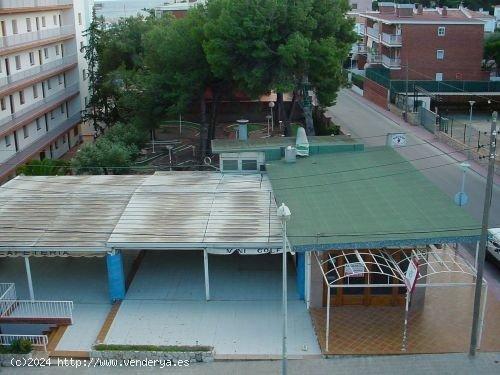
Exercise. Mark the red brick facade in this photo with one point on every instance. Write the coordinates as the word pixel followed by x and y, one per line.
pixel 375 93
pixel 463 52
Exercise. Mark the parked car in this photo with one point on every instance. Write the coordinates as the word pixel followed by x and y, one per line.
pixel 493 244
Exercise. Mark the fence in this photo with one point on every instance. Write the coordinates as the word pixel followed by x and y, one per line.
pixel 36 340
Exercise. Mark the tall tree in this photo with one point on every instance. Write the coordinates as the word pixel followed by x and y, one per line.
pixel 282 46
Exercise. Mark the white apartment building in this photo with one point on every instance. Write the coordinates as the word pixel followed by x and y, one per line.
pixel 43 79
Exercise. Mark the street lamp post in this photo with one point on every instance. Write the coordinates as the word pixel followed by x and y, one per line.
pixel 271 106
pixel 469 134
pixel 268 118
pixel 284 214
pixel 461 197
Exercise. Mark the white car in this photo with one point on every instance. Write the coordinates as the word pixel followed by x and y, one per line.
pixel 493 245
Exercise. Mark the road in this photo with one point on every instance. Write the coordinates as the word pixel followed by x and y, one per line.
pixel 366 122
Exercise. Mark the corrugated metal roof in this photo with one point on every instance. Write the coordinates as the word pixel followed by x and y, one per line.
pixel 73 212
pixel 199 209
pixel 165 210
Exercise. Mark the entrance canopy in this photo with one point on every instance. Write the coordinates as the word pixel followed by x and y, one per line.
pixel 71 215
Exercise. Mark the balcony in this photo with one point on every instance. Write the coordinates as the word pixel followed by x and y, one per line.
pixel 373 58
pixel 359 49
pixel 28 113
pixel 391 63
pixel 10 4
pixel 391 39
pixel 19 39
pixel 39 69
pixel 372 32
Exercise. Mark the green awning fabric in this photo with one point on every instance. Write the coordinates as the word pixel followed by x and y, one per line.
pixel 368 199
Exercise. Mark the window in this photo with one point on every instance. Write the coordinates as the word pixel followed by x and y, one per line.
pixel 86 101
pixel 81 46
pixel 43 22
pixel 18 62
pixel 57 49
pixel 57 144
pixel 54 18
pixel 46 53
pixel 75 131
pixel 441 30
pixel 60 79
pixel 230 165
pixel 49 85
pixel 14 27
pixel 79 18
pixel 35 91
pixel 2 104
pixel 440 54
pixel 439 76
pixel 32 58
pixel 84 74
pixel 62 108
pixel 64 139
pixel 249 165
pixel 28 25
pixel 21 96
pixel 52 115
pixel 38 126
pixel 25 132
pixel 354 6
pixel 7 140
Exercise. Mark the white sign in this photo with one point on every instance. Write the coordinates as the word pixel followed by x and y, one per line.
pixel 245 251
pixel 355 269
pixel 396 139
pixel 411 275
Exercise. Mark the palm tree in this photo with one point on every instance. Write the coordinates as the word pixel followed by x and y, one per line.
pixel 45 167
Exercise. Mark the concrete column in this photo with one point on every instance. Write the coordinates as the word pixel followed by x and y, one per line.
pixel 116 277
pixel 28 275
pixel 207 280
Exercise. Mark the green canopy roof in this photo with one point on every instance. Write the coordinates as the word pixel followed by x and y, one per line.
pixel 366 199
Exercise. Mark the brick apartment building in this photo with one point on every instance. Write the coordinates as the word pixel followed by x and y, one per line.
pixel 436 44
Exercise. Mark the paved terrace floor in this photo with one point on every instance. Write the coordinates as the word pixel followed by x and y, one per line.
pixel 443 325
pixel 81 280
pixel 166 305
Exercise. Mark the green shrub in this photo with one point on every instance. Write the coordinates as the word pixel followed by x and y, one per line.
pixel 358 80
pixel 152 348
pixel 21 346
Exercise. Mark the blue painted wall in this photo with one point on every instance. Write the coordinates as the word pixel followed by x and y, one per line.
pixel 116 277
pixel 301 274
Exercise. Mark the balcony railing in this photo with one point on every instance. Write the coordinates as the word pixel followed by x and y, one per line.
pixel 39 69
pixel 52 99
pixel 373 58
pixel 32 3
pixel 36 340
pixel 391 39
pixel 17 39
pixel 361 48
pixel 7 291
pixel 374 33
pixel 391 63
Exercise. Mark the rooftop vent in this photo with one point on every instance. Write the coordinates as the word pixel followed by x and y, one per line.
pixel 444 12
pixel 420 9
pixel 404 10
pixel 386 7
pixel 242 129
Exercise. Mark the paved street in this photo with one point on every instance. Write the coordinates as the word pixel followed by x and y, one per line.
pixel 452 364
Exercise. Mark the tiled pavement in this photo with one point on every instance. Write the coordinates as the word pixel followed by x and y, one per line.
pixel 441 326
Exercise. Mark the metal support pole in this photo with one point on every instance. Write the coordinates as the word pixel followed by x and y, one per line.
pixel 180 124
pixel 207 280
pixel 405 329
pixel 484 237
pixel 28 275
pixel 483 310
pixel 285 312
pixel 308 278
pixel 327 329
pixel 477 253
pixel 406 89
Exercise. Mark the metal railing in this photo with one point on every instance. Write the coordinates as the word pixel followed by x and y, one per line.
pixel 60 95
pixel 374 58
pixel 39 309
pixel 32 3
pixel 360 48
pixel 390 62
pixel 36 340
pixel 7 291
pixel 373 32
pixel 392 39
pixel 38 70
pixel 16 39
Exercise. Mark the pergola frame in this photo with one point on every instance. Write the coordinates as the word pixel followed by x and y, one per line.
pixel 431 260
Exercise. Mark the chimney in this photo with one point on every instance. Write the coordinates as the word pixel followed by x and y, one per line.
pixel 420 9
pixel 444 12
pixel 404 10
pixel 386 7
pixel 242 129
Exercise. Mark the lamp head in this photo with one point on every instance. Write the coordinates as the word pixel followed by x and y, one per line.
pixel 283 212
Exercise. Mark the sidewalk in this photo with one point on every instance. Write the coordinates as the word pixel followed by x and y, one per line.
pixel 452 364
pixel 423 134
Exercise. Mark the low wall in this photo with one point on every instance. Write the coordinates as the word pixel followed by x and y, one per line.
pixel 33 359
pixel 375 93
pixel 357 90
pixel 174 357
